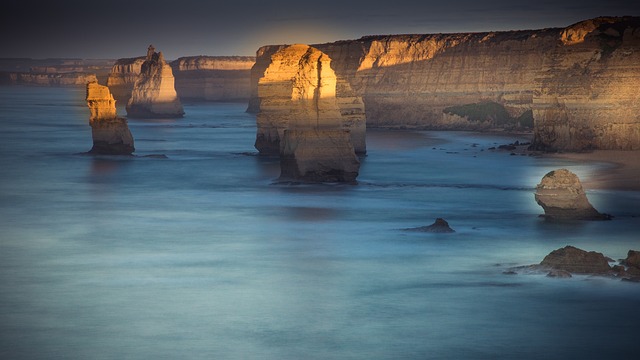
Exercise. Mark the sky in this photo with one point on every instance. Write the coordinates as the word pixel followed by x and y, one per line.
pixel 109 29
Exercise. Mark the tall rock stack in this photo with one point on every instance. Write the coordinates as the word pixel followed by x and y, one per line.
pixel 154 94
pixel 300 118
pixel 111 135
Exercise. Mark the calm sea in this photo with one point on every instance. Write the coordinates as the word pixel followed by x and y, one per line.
pixel 202 255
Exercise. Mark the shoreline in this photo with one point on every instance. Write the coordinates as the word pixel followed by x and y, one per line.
pixel 623 174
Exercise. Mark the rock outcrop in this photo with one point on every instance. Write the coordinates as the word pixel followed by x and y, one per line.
pixel 576 86
pixel 213 78
pixel 123 76
pixel 439 226
pixel 577 261
pixel 562 197
pixel 111 135
pixel 46 79
pixel 300 118
pixel 154 94
pixel 588 96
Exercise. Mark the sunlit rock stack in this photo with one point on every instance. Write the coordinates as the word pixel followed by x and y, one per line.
pixel 589 91
pixel 154 94
pixel 123 76
pixel 300 118
pixel 562 197
pixel 350 105
pixel 576 86
pixel 213 78
pixel 111 135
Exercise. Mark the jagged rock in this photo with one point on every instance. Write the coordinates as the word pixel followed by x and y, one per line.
pixel 577 261
pixel 562 197
pixel 318 156
pixel 154 93
pixel 632 260
pixel 299 115
pixel 439 226
pixel 299 88
pixel 110 133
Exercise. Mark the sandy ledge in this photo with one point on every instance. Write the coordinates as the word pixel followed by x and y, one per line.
pixel 624 174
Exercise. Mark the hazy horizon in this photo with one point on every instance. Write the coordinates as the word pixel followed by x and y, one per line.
pixel 77 29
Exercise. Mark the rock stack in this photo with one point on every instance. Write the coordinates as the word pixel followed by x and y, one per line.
pixel 111 135
pixel 562 197
pixel 300 118
pixel 154 94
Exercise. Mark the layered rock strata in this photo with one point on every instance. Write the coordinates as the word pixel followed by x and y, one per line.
pixel 154 94
pixel 123 76
pixel 300 119
pixel 111 135
pixel 562 197
pixel 577 86
pixel 213 78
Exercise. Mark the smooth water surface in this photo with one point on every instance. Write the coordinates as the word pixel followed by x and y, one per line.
pixel 203 255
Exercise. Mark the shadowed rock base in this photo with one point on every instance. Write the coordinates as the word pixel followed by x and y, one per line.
pixel 111 137
pixel 318 156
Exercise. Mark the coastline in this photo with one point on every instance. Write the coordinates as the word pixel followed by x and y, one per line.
pixel 624 174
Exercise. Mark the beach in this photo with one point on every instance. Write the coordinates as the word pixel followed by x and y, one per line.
pixel 622 174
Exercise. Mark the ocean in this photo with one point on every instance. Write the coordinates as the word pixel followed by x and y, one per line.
pixel 203 254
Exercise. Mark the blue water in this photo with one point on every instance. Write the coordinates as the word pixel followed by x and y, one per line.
pixel 202 255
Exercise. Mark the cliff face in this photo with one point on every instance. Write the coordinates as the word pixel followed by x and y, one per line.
pixel 123 76
pixel 111 135
pixel 47 79
pixel 213 78
pixel 513 79
pixel 153 94
pixel 301 119
pixel 588 94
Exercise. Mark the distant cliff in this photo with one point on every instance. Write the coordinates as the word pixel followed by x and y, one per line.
pixel 201 78
pixel 213 78
pixel 52 72
pixel 578 87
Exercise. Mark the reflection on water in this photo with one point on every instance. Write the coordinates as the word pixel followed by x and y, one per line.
pixel 202 254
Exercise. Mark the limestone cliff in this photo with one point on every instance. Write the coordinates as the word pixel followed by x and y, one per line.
pixel 588 95
pixel 577 86
pixel 46 79
pixel 213 78
pixel 123 76
pixel 111 135
pixel 301 119
pixel 154 94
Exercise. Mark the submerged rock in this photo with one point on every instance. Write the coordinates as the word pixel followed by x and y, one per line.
pixel 562 197
pixel 577 261
pixel 439 226
pixel 154 94
pixel 111 135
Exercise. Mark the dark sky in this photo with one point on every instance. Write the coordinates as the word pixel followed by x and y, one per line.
pixel 124 28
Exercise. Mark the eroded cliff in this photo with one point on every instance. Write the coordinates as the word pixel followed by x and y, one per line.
pixel 505 80
pixel 123 76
